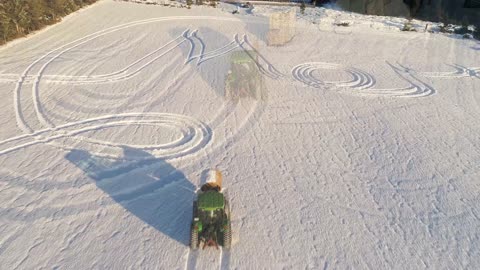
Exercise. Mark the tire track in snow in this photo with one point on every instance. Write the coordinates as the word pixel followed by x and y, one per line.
pixel 243 44
pixel 38 136
pixel 194 257
pixel 115 76
pixel 203 56
pixel 224 112
pixel 270 71
pixel 63 109
pixel 417 88
pixel 57 52
pixel 224 259
pixel 49 138
pixel 220 51
pixel 191 259
pixel 363 81
pixel 304 74
pixel 192 45
pixel 270 67
pixel 460 72
pixel 72 131
pixel 123 74
pixel 195 134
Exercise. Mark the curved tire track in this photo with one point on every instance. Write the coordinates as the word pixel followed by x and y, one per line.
pixel 460 72
pixel 195 134
pixel 270 70
pixel 57 52
pixel 362 81
pixel 304 74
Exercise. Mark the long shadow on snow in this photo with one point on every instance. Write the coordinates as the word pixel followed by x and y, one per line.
pixel 214 70
pixel 159 195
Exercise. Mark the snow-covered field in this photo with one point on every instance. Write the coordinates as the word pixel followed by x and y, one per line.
pixel 360 150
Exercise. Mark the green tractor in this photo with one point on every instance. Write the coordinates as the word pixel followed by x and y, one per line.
pixel 244 79
pixel 211 216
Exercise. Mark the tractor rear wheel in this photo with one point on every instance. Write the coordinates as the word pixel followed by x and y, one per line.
pixel 227 236
pixel 227 230
pixel 193 230
pixel 193 238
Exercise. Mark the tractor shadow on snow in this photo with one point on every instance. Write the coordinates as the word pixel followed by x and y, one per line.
pixel 233 75
pixel 149 188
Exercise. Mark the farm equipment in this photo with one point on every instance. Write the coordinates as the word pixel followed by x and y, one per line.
pixel 211 215
pixel 244 79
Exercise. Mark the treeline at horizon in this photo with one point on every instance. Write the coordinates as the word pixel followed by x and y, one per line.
pixel 21 17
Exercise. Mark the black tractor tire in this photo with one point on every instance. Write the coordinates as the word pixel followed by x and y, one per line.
pixel 193 231
pixel 193 238
pixel 227 232
pixel 195 210
pixel 227 236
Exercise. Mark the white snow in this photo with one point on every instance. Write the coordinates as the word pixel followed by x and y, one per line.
pixel 360 151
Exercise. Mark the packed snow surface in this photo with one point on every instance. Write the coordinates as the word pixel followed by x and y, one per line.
pixel 346 148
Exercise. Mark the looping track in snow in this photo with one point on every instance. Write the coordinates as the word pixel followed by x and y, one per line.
pixel 304 73
pixel 362 82
pixel 42 63
pixel 194 134
pixel 460 72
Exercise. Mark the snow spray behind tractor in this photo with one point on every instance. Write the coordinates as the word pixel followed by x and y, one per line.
pixel 211 215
